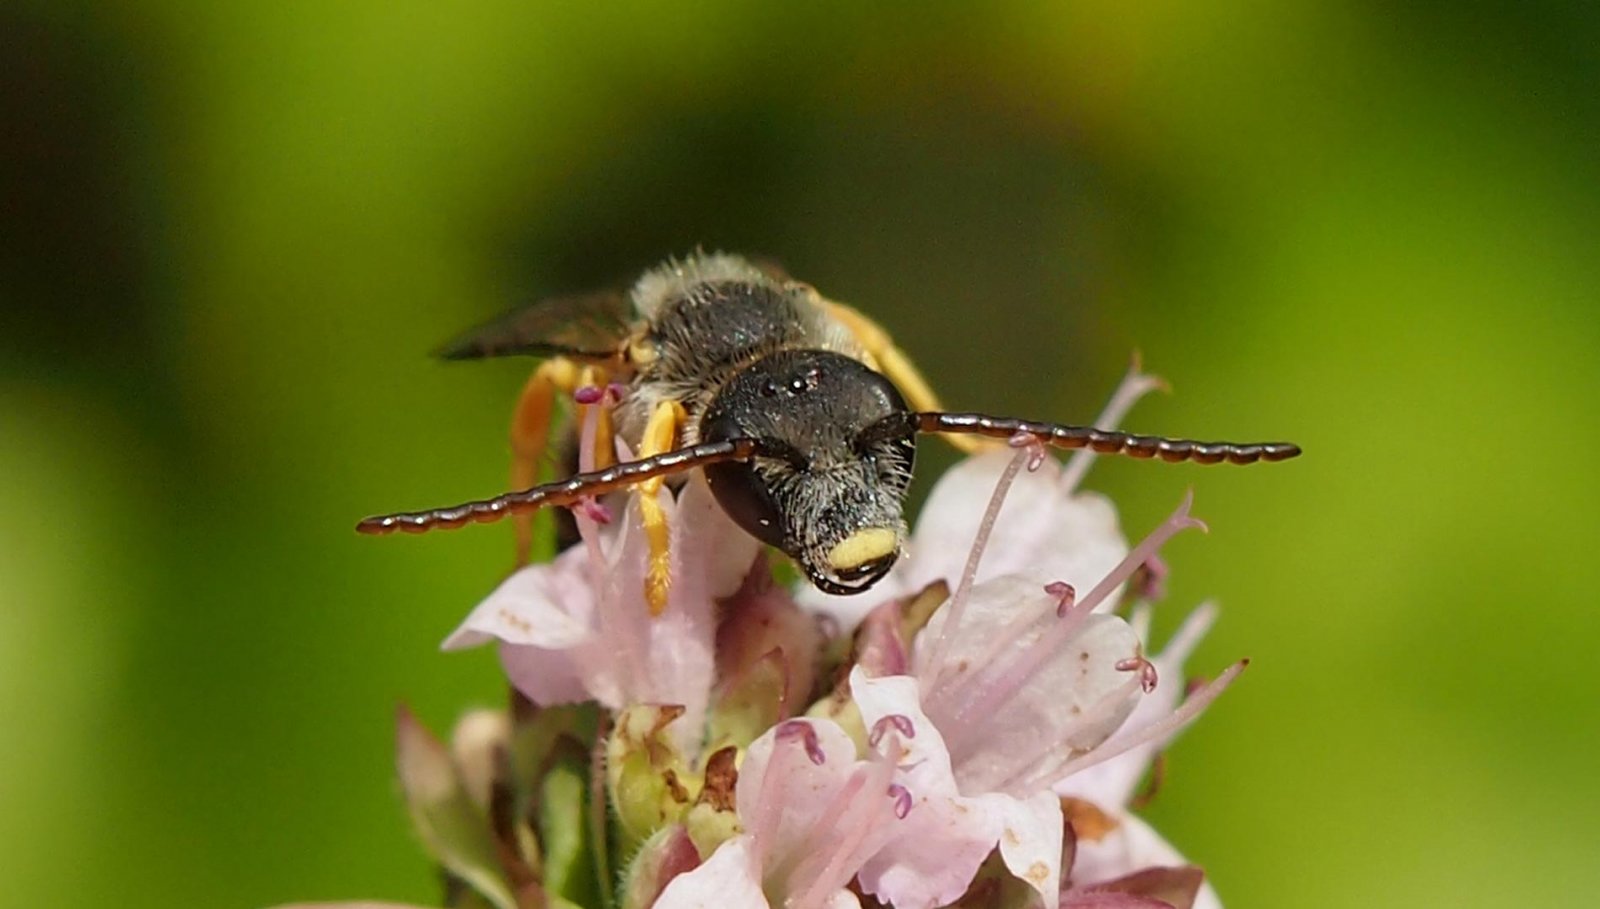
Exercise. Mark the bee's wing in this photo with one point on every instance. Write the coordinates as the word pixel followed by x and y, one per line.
pixel 589 327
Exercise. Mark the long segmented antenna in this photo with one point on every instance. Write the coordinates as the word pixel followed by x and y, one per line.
pixel 1061 435
pixel 563 492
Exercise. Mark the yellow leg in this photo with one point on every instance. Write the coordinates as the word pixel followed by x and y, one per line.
pixel 893 362
pixel 660 436
pixel 530 435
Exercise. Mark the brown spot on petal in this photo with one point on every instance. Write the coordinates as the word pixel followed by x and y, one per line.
pixel 515 621
pixel 675 786
pixel 1087 820
pixel 721 777
pixel 1038 873
pixel 1012 838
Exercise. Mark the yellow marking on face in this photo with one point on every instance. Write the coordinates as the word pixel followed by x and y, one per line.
pixel 861 547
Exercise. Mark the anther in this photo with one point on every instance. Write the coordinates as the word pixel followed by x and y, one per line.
pixel 800 729
pixel 1146 670
pixel 1035 448
pixel 902 800
pixel 897 722
pixel 1065 595
pixel 588 394
pixel 593 509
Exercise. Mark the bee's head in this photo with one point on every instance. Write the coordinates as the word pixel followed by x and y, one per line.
pixel 828 483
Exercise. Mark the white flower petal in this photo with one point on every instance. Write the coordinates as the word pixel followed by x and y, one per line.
pixel 946 836
pixel 842 899
pixel 1031 840
pixel 550 676
pixel 723 550
pixel 728 880
pixel 1114 782
pixel 787 802
pixel 925 762
pixel 546 605
pixel 935 854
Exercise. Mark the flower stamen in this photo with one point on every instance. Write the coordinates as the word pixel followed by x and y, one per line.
pixel 1034 447
pixel 1038 770
pixel 997 681
pixel 1146 669
pixel 958 601
pixel 625 634
pixel 902 800
pixel 1065 595
pixel 790 730
pixel 842 837
pixel 1162 728
pixel 894 722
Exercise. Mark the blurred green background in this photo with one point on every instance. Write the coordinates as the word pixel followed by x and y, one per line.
pixel 231 232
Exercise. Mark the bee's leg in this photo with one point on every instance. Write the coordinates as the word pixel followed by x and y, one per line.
pixel 530 435
pixel 660 436
pixel 893 363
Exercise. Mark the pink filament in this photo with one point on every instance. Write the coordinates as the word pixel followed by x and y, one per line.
pixel 1027 768
pixel 769 804
pixel 843 837
pixel 624 632
pixel 956 608
pixel 999 679
pixel 1161 729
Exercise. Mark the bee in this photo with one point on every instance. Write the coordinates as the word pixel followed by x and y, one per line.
pixel 800 412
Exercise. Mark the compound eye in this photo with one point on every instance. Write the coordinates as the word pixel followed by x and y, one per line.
pixel 744 494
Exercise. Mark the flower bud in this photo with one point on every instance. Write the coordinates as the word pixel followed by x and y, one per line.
pixel 649 781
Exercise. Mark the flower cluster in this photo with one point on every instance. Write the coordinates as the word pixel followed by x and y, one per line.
pixel 973 731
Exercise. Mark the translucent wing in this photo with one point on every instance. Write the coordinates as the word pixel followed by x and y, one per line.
pixel 591 327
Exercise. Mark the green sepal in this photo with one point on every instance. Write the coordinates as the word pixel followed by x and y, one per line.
pixel 570 871
pixel 666 854
pixel 995 887
pixel 451 826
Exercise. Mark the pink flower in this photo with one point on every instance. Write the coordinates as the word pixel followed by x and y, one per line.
pixel 1016 684
pixel 578 628
pixel 812 814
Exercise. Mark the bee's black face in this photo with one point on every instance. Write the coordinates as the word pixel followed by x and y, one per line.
pixel 828 486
